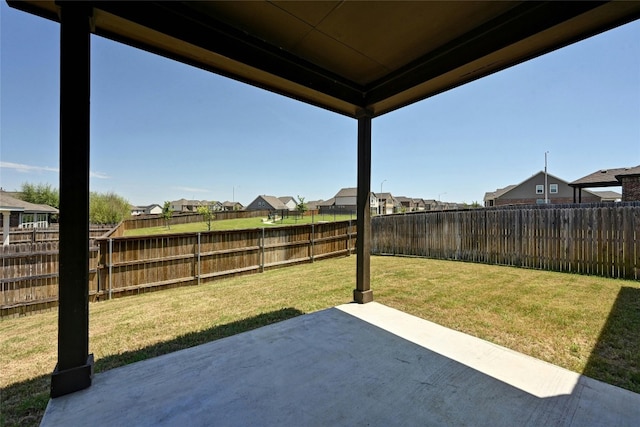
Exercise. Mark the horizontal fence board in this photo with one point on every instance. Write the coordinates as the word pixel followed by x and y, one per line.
pixel 128 265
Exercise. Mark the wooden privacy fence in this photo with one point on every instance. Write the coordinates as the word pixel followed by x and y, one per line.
pixel 50 234
pixel 29 276
pixel 596 239
pixel 127 265
pixel 185 218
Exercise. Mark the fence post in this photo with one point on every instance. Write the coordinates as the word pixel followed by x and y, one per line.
pixel 110 264
pixel 262 252
pixel 198 258
pixel 349 238
pixel 311 244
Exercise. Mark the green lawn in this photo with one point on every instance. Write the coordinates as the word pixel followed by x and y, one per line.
pixel 236 224
pixel 586 324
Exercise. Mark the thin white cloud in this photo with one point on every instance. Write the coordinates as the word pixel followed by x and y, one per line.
pixel 190 189
pixel 27 168
pixel 99 175
pixel 19 167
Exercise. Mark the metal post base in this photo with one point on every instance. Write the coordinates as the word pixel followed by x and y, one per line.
pixel 71 380
pixel 362 297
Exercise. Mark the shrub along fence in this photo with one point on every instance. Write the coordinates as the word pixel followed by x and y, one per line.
pixel 130 265
pixel 598 239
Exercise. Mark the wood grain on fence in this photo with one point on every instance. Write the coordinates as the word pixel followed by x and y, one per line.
pixel 130 265
pixel 599 240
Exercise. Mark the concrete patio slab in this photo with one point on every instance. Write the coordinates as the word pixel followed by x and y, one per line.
pixel 353 365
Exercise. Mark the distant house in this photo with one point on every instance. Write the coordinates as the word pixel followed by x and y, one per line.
pixel 184 205
pixel 531 191
pixel 345 202
pixel 387 204
pixel 232 206
pixel 628 178
pixel 21 214
pixel 313 205
pixel 326 206
pixel 270 203
pixel 419 204
pixel 430 204
pixel 407 204
pixel 154 209
pixel 289 202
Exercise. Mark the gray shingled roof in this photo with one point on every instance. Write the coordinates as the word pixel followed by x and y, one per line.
pixel 347 192
pixel 634 171
pixel 8 202
pixel 499 192
pixel 608 194
pixel 274 202
pixel 604 177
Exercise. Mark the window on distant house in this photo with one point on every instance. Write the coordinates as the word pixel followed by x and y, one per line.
pixel 539 189
pixel 553 188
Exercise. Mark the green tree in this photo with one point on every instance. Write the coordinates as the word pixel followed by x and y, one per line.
pixel 167 213
pixel 301 207
pixel 40 194
pixel 207 214
pixel 108 208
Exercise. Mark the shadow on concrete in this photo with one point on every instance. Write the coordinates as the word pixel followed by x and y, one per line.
pixel 193 339
pixel 24 403
pixel 615 358
pixel 331 368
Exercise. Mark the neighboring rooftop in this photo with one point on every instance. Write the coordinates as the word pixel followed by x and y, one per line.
pixel 8 202
pixel 604 177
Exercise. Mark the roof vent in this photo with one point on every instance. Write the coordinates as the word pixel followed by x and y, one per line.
pixel 603 171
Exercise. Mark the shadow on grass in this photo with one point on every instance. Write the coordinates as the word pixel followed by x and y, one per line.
pixel 615 358
pixel 24 403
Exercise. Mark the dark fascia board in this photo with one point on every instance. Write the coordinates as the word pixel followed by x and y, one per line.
pixel 183 23
pixel 278 71
pixel 522 22
pixel 525 20
pixel 313 84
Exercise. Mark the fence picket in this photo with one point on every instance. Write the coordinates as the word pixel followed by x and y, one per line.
pixel 129 265
pixel 587 239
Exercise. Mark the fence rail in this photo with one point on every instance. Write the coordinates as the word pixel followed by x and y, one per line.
pixel 50 234
pixel 599 239
pixel 128 265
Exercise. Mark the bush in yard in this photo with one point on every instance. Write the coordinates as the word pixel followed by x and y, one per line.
pixel 108 208
pixel 207 214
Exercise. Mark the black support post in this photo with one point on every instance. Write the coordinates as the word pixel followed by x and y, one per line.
pixel 362 293
pixel 75 365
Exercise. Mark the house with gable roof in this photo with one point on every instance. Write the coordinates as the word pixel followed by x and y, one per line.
pixel 531 191
pixel 154 209
pixel 266 203
pixel 15 212
pixel 232 206
pixel 345 202
pixel 290 202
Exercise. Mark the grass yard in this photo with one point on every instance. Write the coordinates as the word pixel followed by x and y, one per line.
pixel 586 324
pixel 236 224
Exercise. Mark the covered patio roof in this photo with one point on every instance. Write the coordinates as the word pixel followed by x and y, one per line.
pixel 360 59
pixel 601 178
pixel 351 55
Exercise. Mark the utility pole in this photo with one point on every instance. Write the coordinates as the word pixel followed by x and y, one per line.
pixel 546 190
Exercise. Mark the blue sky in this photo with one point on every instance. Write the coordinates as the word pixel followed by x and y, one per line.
pixel 162 130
